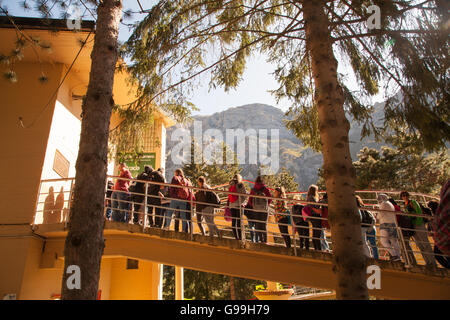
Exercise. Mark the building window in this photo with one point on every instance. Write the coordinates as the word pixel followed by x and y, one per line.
pixel 132 264
pixel 150 139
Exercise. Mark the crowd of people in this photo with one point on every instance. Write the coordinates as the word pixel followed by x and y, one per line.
pixel 257 204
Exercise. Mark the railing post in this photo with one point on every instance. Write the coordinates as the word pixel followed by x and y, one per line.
pixel 70 202
pixel 144 222
pixel 37 204
pixel 241 215
pixel 293 231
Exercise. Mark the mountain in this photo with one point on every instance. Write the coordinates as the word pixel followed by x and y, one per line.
pixel 303 163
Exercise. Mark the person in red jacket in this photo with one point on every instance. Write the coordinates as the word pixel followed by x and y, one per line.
pixel 260 206
pixel 180 198
pixel 120 195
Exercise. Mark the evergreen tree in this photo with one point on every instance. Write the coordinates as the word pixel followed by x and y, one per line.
pixel 299 36
pixel 216 173
pixel 85 243
pixel 402 168
pixel 282 179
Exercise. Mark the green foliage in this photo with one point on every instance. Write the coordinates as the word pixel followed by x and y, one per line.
pixel 402 168
pixel 216 173
pixel 282 179
pixel 405 166
pixel 407 56
pixel 208 286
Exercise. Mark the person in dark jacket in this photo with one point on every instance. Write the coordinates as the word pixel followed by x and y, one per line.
pixel 138 192
pixel 108 204
pixel 301 226
pixel 282 215
pixel 261 208
pixel 154 199
pixel 315 217
pixel 420 232
pixel 205 203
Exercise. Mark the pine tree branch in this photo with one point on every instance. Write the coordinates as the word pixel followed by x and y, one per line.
pixel 383 31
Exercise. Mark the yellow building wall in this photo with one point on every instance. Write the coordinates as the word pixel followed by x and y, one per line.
pixel 43 283
pixel 133 284
pixel 27 157
pixel 23 150
pixel 64 137
pixel 13 257
pixel 21 160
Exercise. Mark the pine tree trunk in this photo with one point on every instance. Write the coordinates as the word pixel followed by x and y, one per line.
pixel 232 289
pixel 348 261
pixel 84 243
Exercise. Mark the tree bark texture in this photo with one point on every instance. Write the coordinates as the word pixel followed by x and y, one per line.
pixel 85 243
pixel 232 289
pixel 349 262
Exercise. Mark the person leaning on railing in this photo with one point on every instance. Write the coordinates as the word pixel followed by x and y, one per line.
pixel 407 230
pixel 235 203
pixel 367 224
pixel 388 231
pixel 139 193
pixel 441 228
pixel 154 198
pixel 180 197
pixel 325 224
pixel 420 232
pixel 120 195
pixel 108 201
pixel 261 208
pixel 314 213
pixel 282 215
pixel 206 201
pixel 300 224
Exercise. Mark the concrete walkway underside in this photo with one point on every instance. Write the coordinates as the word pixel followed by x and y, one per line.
pixel 254 261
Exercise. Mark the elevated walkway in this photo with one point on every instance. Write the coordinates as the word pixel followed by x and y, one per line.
pixel 250 260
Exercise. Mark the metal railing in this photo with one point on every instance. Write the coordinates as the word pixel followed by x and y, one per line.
pixel 152 206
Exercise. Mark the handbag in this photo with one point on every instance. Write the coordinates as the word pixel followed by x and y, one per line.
pixel 227 214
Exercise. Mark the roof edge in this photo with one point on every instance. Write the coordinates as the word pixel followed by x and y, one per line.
pixel 27 23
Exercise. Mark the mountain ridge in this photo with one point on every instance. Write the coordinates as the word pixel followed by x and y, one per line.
pixel 303 163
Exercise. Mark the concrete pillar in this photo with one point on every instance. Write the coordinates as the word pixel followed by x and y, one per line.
pixel 157 281
pixel 271 286
pixel 179 283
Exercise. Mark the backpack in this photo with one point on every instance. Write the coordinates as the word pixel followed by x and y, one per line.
pixel 212 197
pixel 183 193
pixel 367 218
pixel 260 204
pixel 426 211
pixel 404 222
pixel 155 176
pixel 139 187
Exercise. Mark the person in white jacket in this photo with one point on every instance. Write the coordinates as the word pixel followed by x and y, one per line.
pixel 388 230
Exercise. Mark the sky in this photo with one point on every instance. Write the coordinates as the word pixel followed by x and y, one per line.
pixel 254 87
